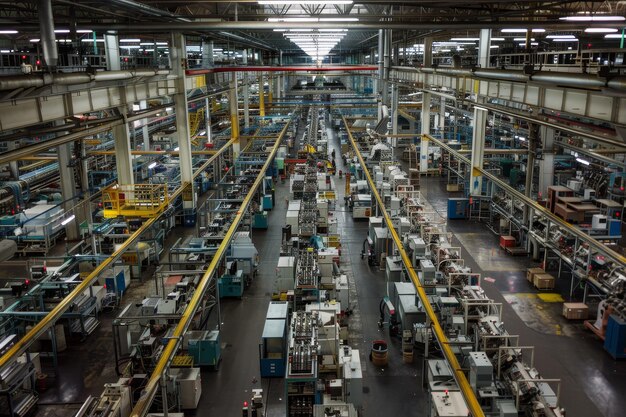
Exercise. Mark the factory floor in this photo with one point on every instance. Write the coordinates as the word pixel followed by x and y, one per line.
pixel 591 380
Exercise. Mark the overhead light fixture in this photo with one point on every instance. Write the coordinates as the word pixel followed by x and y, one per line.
pixel 293 19
pixel 560 37
pixel 521 30
pixel 582 161
pixel 91 40
pixel 564 40
pixel 130 40
pixel 34 40
pixel 600 30
pixel 445 50
pixel 130 46
pixel 152 165
pixel 523 139
pixel 596 18
pixel 61 31
pixel 464 39
pixel 84 31
pixel 522 39
pixel 496 39
pixel 69 219
pixel 8 32
pixel 339 19
pixel 613 36
pixel 494 46
pixel 305 2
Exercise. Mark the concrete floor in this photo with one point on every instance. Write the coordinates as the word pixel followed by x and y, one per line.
pixel 593 384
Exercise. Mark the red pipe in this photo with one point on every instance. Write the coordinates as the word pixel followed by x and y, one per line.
pixel 202 71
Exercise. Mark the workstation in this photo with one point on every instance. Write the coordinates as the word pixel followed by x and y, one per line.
pixel 355 208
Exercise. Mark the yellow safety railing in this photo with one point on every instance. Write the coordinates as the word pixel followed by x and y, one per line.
pixel 138 200
pixel 458 372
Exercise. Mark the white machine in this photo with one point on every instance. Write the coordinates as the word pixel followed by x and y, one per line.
pixel 189 386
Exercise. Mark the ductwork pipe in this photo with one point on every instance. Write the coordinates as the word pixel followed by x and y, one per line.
pixel 48 39
pixel 39 80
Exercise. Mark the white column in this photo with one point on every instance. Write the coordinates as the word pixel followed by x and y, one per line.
pixel 123 157
pixel 179 56
pixel 426 97
pixel 428 52
pixel 484 48
pixel 234 116
pixel 207 53
pixel 68 187
pixel 246 91
pixel 546 166
pixel 143 105
pixel 112 52
pixel 478 149
pixel 207 120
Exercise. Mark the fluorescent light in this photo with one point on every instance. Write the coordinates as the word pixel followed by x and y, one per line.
pixel 91 40
pixel 531 44
pixel 565 40
pixel 69 219
pixel 600 30
pixel 523 139
pixel 8 32
pixel 339 19
pixel 494 46
pixel 560 37
pixel 293 19
pixel 496 39
pixel 162 43
pixel 582 161
pixel 597 18
pixel 4 51
pixel 445 50
pixel 130 46
pixel 306 2
pixel 522 39
pixel 152 165
pixel 332 30
pixel 613 36
pixel 522 30
pixel 61 31
pixel 176 149
pixel 464 39
pixel 84 31
pixel 34 40
pixel 130 40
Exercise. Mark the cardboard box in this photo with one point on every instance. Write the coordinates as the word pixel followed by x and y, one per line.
pixel 543 281
pixel 530 272
pixel 575 311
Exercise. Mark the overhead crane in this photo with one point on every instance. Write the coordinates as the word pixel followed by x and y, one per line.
pixel 458 372
pixel 50 319
pixel 143 405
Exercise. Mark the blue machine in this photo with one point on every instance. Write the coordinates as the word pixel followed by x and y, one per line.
pixel 119 280
pixel 615 337
pixel 273 347
pixel 458 208
pixel 268 204
pixel 614 227
pixel 204 347
pixel 231 284
pixel 259 220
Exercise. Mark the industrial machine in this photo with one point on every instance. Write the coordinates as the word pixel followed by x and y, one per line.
pixel 232 282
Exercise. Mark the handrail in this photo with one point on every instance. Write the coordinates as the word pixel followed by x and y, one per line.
pixel 459 374
pixel 24 343
pixel 143 404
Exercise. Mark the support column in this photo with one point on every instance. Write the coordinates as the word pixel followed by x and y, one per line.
pixel 478 149
pixel 48 39
pixel 246 91
pixel 394 118
pixel 143 105
pixel 179 58
pixel 234 116
pixel 207 53
pixel 112 51
pixel 426 97
pixel 270 89
pixel 381 64
pixel 484 46
pixel 442 116
pixel 123 157
pixel 386 66
pixel 261 96
pixel 546 165
pixel 428 52
pixel 68 188
pixel 207 120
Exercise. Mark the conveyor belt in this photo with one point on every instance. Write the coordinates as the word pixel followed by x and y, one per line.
pixel 169 352
pixel 459 374
pixel 50 319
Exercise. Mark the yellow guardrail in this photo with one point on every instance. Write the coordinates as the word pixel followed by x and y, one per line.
pixel 459 374
pixel 23 344
pixel 169 351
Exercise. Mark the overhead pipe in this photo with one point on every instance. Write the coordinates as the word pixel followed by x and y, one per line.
pixel 48 39
pixel 12 82
pixel 293 68
pixel 153 11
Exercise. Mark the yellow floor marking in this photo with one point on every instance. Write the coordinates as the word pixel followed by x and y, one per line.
pixel 550 297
